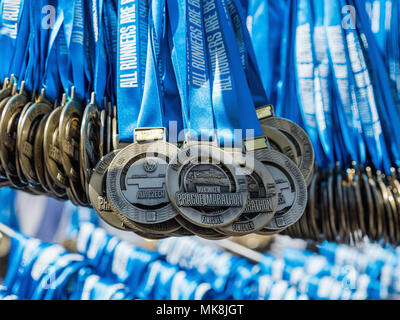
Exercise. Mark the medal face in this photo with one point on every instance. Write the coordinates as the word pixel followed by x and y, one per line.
pixel 136 182
pixel 8 131
pixel 300 140
pixel 89 144
pixel 369 206
pixel 206 186
pixel 51 149
pixel 97 192
pixel 57 191
pixel 39 165
pixel 290 186
pixel 29 126
pixel 69 130
pixel 262 203
pixel 18 166
pixel 280 142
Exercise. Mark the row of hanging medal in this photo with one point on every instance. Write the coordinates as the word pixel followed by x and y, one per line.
pixel 235 169
pixel 341 68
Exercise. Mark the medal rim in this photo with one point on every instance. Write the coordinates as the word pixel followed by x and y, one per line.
pixel 174 172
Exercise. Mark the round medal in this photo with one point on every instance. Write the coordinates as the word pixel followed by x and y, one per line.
pixel 136 182
pixel 300 140
pixel 280 142
pixel 97 192
pixel 290 186
pixel 206 186
pixel 262 203
pixel 39 165
pixel 8 136
pixel 29 125
pixel 69 135
pixel 89 143
pixel 51 149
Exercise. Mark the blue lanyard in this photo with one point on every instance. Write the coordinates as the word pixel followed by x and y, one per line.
pixel 151 112
pixel 389 112
pixel 62 52
pixel 100 67
pixel 186 29
pixel 76 45
pixel 227 77
pixel 344 85
pixel 379 12
pixel 49 78
pixel 304 62
pixel 20 52
pixel 393 49
pixel 169 86
pixel 131 64
pixel 10 27
pixel 322 77
pixel 247 53
pixel 110 36
pixel 385 107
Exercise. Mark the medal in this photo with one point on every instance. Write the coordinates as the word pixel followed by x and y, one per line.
pixel 279 142
pixel 136 178
pixel 290 186
pixel 8 130
pixel 25 140
pixel 89 142
pixel 301 141
pixel 262 203
pixel 208 193
pixel 38 157
pixel 51 149
pixel 136 182
pixel 97 192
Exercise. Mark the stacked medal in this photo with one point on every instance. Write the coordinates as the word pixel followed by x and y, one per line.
pixel 334 68
pixel 226 178
pixel 165 132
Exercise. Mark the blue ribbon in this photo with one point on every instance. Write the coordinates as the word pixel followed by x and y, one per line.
pixel 101 66
pixel 131 64
pixel 189 58
pixel 10 28
pixel 248 57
